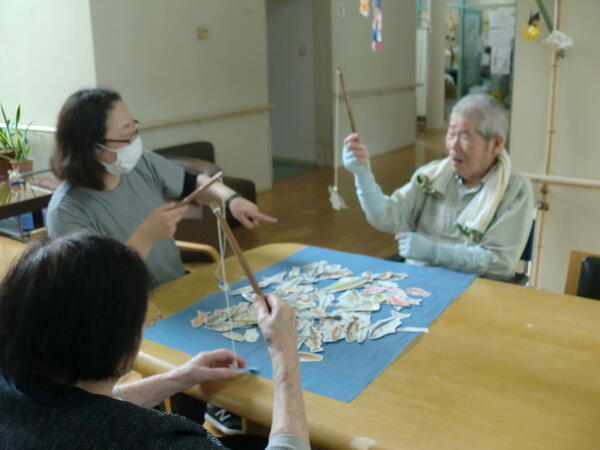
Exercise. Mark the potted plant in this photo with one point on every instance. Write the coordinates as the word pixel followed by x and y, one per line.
pixel 15 151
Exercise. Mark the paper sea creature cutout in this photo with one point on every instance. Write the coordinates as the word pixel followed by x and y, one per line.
pixel 310 357
pixel 346 283
pixel 234 336
pixel 418 292
pixel 199 320
pixel 251 335
pixel 385 326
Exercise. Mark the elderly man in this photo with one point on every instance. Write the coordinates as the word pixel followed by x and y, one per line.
pixel 466 212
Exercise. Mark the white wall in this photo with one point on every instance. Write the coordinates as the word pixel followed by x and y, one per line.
pixel 386 122
pixel 572 222
pixel 148 50
pixel 47 54
pixel 435 76
pixel 292 79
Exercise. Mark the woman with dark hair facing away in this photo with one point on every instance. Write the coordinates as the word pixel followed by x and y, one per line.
pixel 71 321
pixel 113 187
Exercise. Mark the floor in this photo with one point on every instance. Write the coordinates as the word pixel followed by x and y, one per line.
pixel 300 201
pixel 285 169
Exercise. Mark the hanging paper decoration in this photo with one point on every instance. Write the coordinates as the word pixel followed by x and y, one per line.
pixel 364 8
pixel 557 40
pixel 532 31
pixel 377 43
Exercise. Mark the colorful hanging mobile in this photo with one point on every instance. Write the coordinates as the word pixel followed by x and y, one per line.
pixel 377 43
pixel 364 8
pixel 532 31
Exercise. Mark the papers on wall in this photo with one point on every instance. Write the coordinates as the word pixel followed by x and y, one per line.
pixel 502 30
pixel 500 62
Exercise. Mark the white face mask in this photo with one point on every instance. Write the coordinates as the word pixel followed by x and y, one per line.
pixel 127 157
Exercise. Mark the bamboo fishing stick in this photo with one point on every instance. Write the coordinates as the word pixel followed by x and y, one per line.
pixel 193 195
pixel 236 248
pixel 347 100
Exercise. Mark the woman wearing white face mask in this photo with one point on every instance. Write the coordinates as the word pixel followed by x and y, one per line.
pixel 113 187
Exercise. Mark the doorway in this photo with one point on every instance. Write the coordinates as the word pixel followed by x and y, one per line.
pixel 479 50
pixel 291 60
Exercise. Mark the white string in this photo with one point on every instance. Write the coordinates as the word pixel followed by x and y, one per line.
pixel 222 275
pixel 336 132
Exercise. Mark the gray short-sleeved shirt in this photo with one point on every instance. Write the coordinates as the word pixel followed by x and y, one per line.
pixel 119 212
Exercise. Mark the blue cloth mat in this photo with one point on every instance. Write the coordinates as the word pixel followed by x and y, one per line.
pixel 347 368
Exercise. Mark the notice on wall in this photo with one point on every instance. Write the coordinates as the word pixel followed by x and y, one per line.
pixel 501 34
pixel 501 19
pixel 500 60
pixel 501 37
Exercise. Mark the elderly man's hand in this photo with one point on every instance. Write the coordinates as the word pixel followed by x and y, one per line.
pixel 414 246
pixel 207 366
pixel 247 213
pixel 355 156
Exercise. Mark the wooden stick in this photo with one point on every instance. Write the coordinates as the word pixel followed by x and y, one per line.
pixel 347 101
pixel 236 249
pixel 550 141
pixel 193 195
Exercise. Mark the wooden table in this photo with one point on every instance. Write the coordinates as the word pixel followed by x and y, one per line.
pixel 29 196
pixel 505 367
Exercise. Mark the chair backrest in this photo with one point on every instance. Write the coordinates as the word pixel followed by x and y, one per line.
pixel 574 270
pixel 589 278
pixel 527 254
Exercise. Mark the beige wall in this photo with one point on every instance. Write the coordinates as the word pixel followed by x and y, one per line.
pixel 47 53
pixel 386 122
pixel 572 222
pixel 148 50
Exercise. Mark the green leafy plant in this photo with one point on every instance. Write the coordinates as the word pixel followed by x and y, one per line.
pixel 14 145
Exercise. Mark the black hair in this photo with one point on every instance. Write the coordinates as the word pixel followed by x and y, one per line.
pixel 82 125
pixel 73 309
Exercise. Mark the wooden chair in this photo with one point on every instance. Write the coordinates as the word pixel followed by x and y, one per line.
pixel 574 270
pixel 188 247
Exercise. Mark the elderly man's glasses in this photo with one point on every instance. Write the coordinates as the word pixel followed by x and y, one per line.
pixel 464 137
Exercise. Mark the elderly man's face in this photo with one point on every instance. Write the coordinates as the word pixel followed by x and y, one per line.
pixel 472 156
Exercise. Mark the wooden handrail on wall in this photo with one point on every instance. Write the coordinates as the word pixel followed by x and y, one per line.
pixel 381 90
pixel 209 117
pixel 563 181
pixel 151 126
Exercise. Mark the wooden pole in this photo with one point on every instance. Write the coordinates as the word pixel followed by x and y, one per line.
pixel 236 248
pixel 579 183
pixel 550 140
pixel 347 101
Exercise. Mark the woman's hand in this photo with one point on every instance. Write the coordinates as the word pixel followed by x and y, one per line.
pixel 247 213
pixel 207 366
pixel 158 225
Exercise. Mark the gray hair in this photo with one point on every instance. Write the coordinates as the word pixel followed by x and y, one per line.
pixel 489 115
